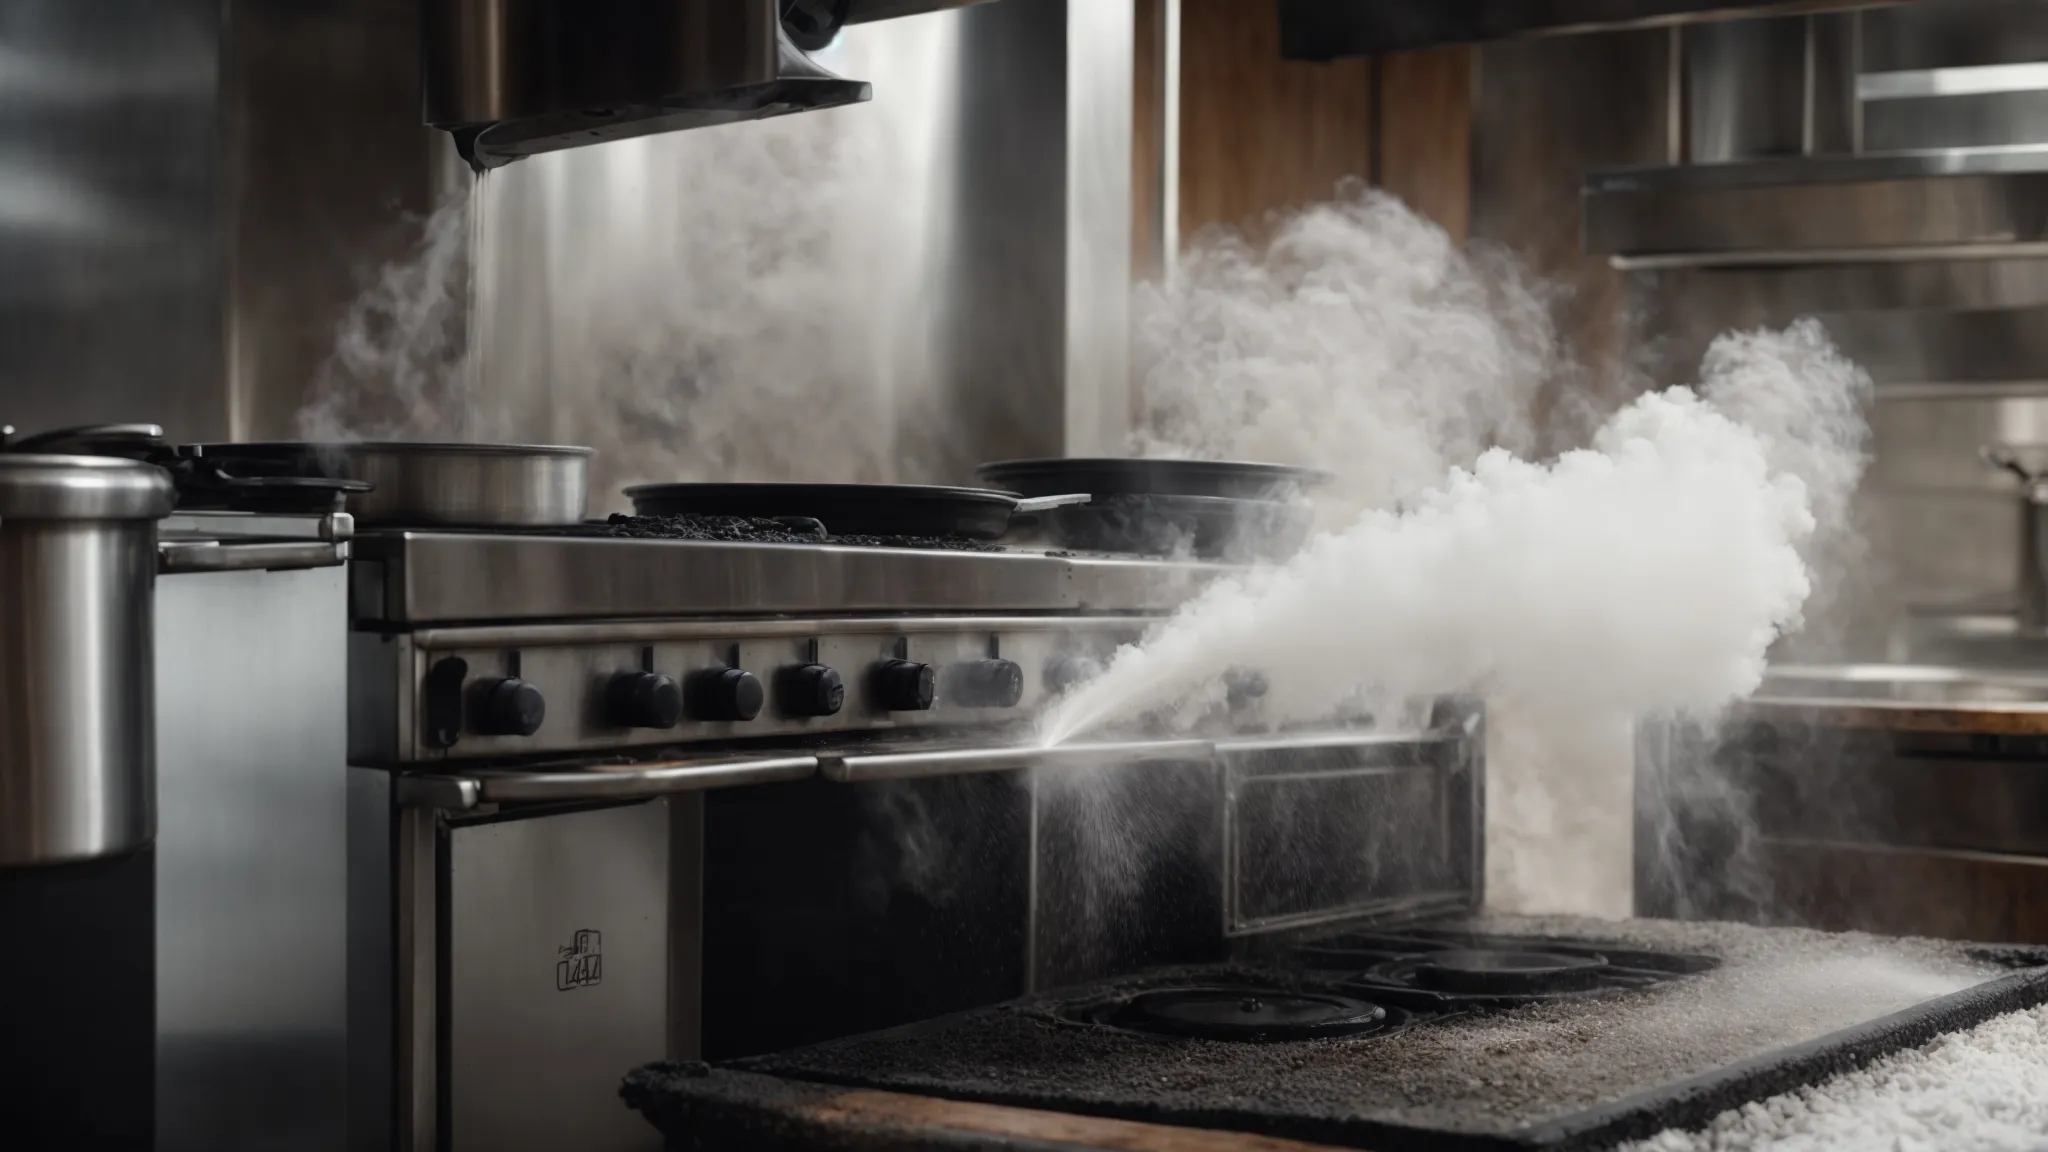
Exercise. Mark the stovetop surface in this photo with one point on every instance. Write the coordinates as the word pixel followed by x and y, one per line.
pixel 1473 1074
pixel 432 575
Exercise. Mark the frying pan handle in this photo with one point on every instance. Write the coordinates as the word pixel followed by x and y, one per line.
pixel 135 441
pixel 1042 503
pixel 2005 460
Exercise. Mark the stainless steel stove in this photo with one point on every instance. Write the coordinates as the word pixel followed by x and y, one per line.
pixel 618 798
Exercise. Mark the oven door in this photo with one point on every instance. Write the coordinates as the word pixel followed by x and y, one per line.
pixel 1142 853
pixel 520 939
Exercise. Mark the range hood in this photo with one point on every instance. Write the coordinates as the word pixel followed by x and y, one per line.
pixel 514 78
pixel 1329 29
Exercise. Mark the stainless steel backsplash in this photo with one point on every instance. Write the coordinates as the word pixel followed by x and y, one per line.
pixel 193 196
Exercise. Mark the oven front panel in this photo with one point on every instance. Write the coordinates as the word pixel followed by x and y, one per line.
pixel 554 976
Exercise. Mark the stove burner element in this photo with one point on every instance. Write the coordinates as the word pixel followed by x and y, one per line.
pixel 1247 1014
pixel 1489 972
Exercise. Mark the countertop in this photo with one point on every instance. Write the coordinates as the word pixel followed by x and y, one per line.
pixel 1978 1089
pixel 1904 697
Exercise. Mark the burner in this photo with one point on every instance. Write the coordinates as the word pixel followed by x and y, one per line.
pixel 1246 1013
pixel 1489 972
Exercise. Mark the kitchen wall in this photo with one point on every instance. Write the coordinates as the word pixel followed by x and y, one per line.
pixel 1260 134
pixel 110 192
pixel 193 195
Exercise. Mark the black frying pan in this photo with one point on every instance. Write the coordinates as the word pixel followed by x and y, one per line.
pixel 853 509
pixel 1215 509
pixel 1125 476
pixel 1208 527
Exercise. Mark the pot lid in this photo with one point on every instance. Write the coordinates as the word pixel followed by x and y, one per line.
pixel 39 487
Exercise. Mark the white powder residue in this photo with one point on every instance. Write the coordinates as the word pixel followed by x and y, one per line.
pixel 1984 1090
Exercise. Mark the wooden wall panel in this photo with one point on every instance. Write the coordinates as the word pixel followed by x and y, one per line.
pixel 1260 134
pixel 1147 118
pixel 1425 131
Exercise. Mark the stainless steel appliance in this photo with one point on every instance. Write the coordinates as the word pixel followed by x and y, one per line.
pixel 251 857
pixel 77 794
pixel 1328 29
pixel 77 550
pixel 619 794
pixel 1891 798
pixel 191 922
pixel 511 78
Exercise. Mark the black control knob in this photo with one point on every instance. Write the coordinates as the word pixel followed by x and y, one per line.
pixel 507 707
pixel 1241 687
pixel 1067 671
pixel 812 690
pixel 985 684
pixel 644 700
pixel 725 694
pixel 905 686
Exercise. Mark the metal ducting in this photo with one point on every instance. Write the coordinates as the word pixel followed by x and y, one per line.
pixel 1329 29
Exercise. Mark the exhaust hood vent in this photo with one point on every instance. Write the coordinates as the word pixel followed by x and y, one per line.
pixel 514 78
pixel 1329 29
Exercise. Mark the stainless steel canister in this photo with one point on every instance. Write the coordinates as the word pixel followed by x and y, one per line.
pixel 77 573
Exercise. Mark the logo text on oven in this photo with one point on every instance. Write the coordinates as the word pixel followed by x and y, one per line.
pixel 581 961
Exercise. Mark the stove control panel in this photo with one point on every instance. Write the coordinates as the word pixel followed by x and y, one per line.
pixel 484 692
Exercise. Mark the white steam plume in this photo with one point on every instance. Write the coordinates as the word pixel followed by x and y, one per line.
pixel 1645 575
pixel 399 369
pixel 1360 340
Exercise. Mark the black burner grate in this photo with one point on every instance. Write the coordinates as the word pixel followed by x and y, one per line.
pixel 1256 1014
pixel 1460 971
pixel 781 530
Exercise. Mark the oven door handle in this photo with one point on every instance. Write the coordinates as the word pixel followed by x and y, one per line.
pixel 461 791
pixel 854 767
pixel 175 556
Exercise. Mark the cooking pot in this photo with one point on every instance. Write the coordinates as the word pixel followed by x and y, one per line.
pixel 77 570
pixel 422 484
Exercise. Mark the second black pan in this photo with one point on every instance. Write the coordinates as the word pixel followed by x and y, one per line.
pixel 1126 476
pixel 853 509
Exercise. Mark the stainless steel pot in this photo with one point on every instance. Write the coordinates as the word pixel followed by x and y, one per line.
pixel 77 743
pixel 472 485
pixel 521 485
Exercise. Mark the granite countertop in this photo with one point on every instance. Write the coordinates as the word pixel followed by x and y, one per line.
pixel 1486 1075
